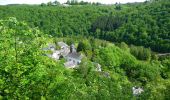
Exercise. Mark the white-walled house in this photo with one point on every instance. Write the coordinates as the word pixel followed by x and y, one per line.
pixel 73 58
pixel 56 55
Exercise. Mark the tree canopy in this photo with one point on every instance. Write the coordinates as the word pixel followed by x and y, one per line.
pixel 123 39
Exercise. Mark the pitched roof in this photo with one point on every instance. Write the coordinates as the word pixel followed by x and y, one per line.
pixel 75 55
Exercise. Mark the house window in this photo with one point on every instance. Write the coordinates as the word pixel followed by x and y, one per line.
pixel 69 59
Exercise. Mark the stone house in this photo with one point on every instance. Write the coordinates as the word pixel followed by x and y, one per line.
pixel 73 58
pixel 69 53
pixel 64 48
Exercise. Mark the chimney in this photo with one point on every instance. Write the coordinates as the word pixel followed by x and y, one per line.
pixel 72 48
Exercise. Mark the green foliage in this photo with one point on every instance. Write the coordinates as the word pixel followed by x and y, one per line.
pixel 124 46
pixel 140 52
pixel 83 46
pixel 145 24
pixel 142 24
pixel 27 74
pixel 166 68
pixel 118 6
pixel 24 70
pixel 107 23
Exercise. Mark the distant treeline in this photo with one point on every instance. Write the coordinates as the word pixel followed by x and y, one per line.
pixel 70 2
pixel 143 24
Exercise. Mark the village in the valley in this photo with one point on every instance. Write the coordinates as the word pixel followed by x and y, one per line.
pixel 69 53
pixel 74 58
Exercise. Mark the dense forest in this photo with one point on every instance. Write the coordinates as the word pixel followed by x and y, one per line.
pixel 127 40
pixel 143 24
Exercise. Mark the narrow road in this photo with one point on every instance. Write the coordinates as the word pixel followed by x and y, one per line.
pixel 164 54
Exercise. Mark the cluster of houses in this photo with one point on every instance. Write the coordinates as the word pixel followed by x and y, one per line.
pixel 73 59
pixel 69 53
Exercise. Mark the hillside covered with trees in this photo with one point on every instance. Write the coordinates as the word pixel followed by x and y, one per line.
pixel 123 38
pixel 144 24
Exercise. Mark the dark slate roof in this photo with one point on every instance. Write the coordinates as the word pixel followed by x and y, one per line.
pixel 75 55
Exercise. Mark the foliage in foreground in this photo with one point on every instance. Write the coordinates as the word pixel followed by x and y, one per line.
pixel 27 74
